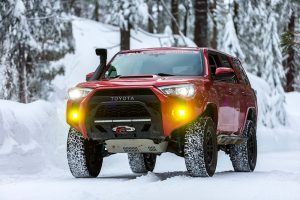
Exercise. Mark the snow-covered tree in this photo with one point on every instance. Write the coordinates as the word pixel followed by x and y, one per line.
pixel 80 8
pixel 258 33
pixel 54 35
pixel 297 51
pixel 291 46
pixel 212 24
pixel 150 24
pixel 273 71
pixel 227 40
pixel 127 14
pixel 283 9
pixel 33 33
pixel 186 17
pixel 16 37
pixel 160 16
pixel 201 23
pixel 250 31
pixel 175 15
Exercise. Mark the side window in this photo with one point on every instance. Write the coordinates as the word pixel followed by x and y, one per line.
pixel 244 77
pixel 225 63
pixel 214 63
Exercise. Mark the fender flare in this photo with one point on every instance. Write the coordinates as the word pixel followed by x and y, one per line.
pixel 211 109
pixel 252 115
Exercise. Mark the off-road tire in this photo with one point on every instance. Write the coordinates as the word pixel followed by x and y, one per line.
pixel 84 156
pixel 243 156
pixel 141 162
pixel 200 148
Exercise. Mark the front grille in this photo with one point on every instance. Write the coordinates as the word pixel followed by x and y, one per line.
pixel 121 111
pixel 141 110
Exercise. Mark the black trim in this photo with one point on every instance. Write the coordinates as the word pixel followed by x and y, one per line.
pixel 143 104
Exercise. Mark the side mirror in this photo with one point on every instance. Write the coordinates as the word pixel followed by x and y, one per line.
pixel 89 76
pixel 223 73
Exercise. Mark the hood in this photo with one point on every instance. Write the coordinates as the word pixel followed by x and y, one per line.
pixel 142 81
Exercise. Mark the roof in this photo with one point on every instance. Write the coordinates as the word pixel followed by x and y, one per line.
pixel 175 48
pixel 162 49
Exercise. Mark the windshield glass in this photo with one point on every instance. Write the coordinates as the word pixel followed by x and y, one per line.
pixel 163 63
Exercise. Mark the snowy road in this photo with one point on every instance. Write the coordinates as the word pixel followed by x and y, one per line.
pixel 277 176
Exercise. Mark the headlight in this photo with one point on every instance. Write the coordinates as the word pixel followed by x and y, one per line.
pixel 185 90
pixel 78 93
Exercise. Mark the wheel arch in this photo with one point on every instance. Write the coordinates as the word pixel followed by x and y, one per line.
pixel 211 110
pixel 251 115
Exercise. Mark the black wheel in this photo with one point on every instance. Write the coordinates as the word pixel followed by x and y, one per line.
pixel 243 156
pixel 200 148
pixel 84 156
pixel 142 162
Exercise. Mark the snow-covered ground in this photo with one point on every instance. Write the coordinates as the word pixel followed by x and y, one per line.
pixel 277 177
pixel 33 141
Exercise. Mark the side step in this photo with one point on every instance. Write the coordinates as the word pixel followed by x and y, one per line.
pixel 135 146
pixel 230 139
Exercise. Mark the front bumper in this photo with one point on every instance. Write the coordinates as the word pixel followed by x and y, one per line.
pixel 147 109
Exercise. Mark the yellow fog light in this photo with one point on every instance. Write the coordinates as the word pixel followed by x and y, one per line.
pixel 74 115
pixel 180 113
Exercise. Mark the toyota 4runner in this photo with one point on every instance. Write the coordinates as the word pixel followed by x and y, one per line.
pixel 188 101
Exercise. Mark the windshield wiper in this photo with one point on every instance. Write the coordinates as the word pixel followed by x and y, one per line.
pixel 164 74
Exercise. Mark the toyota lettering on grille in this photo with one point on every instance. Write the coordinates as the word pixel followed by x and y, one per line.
pixel 123 129
pixel 122 98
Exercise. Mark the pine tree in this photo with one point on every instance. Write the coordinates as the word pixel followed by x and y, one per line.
pixel 90 9
pixel 16 38
pixel 212 24
pixel 127 14
pixel 226 34
pixel 54 38
pixel 33 34
pixel 291 47
pixel 187 17
pixel 96 15
pixel 201 23
pixel 273 71
pixel 161 17
pixel 289 64
pixel 250 31
pixel 297 51
pixel 257 29
pixel 175 13
pixel 150 17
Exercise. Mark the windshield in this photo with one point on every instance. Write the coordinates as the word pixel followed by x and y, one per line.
pixel 163 63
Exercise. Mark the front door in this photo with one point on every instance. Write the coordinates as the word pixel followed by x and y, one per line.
pixel 228 94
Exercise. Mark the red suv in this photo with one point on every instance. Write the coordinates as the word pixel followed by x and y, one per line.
pixel 144 102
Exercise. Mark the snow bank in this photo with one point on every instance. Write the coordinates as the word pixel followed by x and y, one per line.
pixel 280 137
pixel 262 90
pixel 30 135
